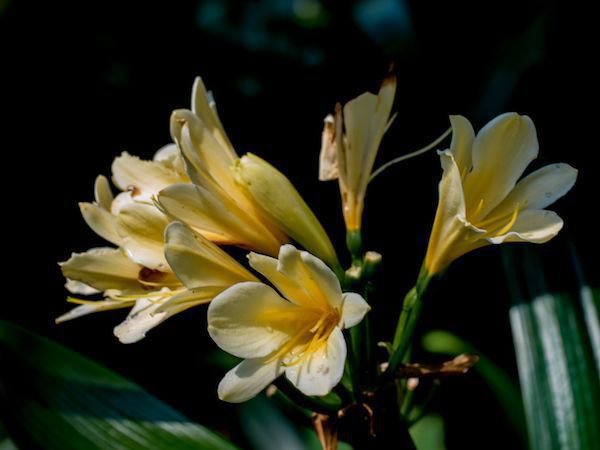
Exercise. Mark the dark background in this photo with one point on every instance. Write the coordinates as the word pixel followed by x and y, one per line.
pixel 92 79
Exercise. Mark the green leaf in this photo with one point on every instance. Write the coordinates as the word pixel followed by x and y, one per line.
pixel 5 442
pixel 559 379
pixel 267 428
pixel 55 399
pixel 428 433
pixel 501 384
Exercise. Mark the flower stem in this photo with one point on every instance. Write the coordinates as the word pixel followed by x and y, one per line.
pixel 411 309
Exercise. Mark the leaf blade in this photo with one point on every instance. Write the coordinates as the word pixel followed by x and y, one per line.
pixel 54 398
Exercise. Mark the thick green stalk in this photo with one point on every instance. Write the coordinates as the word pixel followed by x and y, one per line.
pixel 411 309
pixel 356 334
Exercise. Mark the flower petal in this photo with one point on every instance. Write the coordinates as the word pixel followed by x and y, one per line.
pixel 143 178
pixel 103 268
pixel 189 298
pixel 366 118
pixel 142 318
pixel 539 189
pixel 462 143
pixel 121 200
pixel 354 309
pixel 197 262
pixel 320 285
pixel 283 205
pixel 101 221
pixel 203 105
pixel 501 152
pixel 288 287
pixel 77 287
pixel 328 159
pixel 250 320
pixel 217 218
pixel 142 228
pixel 209 159
pixel 532 225
pixel 247 379
pixel 90 307
pixel 102 192
pixel 447 223
pixel 320 372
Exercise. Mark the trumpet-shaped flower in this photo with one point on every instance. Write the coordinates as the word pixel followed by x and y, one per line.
pixel 138 275
pixel 350 143
pixel 282 203
pixel 482 201
pixel 297 331
pixel 214 205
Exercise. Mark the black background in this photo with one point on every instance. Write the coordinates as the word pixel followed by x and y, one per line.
pixel 92 79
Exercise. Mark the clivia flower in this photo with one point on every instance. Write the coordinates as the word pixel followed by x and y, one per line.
pixel 350 144
pixel 297 331
pixel 482 201
pixel 139 273
pixel 214 205
pixel 284 206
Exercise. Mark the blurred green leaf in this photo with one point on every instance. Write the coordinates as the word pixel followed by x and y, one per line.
pixel 428 433
pixel 220 359
pixel 54 398
pixel 501 384
pixel 559 379
pixel 5 442
pixel 268 428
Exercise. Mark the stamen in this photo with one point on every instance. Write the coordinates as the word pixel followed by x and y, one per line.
pixel 149 296
pixel 510 224
pixel 321 330
pixel 501 226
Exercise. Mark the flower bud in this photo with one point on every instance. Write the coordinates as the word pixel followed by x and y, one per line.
pixel 282 203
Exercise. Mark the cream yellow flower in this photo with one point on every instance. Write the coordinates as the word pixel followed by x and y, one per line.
pixel 299 334
pixel 214 205
pixel 282 203
pixel 481 200
pixel 139 273
pixel 350 144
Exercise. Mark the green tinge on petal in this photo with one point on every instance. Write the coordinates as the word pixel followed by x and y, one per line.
pixel 282 203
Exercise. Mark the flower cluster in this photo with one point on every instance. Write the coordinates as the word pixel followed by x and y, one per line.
pixel 173 216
